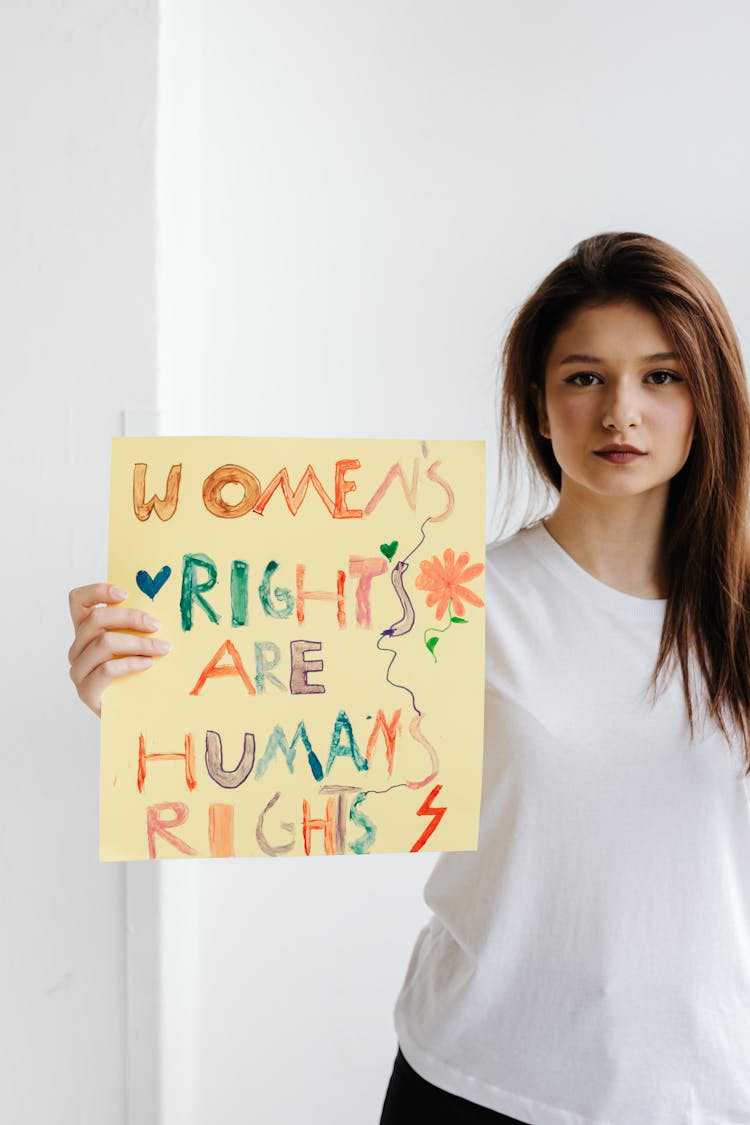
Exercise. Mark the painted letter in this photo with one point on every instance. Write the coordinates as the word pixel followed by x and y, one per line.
pixel 155 826
pixel 193 591
pixel 260 835
pixel 229 779
pixel 433 476
pixel 362 845
pixel 282 595
pixel 389 734
pixel 277 741
pixel 263 666
pixel 409 493
pixel 342 487
pixel 221 831
pixel 302 667
pixel 230 474
pixel 238 592
pixel 165 508
pixel 188 757
pixel 326 826
pixel 351 750
pixel 214 669
pixel 365 569
pixel 321 596
pixel 294 499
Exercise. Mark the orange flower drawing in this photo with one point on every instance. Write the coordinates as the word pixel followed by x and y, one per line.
pixel 445 580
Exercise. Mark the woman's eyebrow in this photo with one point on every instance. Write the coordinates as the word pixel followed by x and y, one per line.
pixel 578 358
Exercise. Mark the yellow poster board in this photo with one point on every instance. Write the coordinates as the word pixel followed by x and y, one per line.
pixel 324 694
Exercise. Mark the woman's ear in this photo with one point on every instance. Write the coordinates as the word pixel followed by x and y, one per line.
pixel 540 409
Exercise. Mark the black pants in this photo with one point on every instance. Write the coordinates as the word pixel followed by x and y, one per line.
pixel 410 1098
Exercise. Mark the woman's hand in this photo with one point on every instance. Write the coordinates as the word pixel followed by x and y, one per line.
pixel 99 651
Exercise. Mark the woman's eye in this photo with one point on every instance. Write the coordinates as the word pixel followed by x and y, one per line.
pixel 581 375
pixel 662 383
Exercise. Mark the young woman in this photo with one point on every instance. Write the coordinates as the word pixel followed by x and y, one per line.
pixel 589 964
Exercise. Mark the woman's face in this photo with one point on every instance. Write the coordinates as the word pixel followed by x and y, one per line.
pixel 613 377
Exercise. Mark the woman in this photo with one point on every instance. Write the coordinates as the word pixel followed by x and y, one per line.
pixel 590 963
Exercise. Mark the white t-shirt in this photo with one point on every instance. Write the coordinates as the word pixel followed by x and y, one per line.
pixel 590 963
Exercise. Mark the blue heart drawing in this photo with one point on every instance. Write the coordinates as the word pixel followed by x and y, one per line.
pixel 152 586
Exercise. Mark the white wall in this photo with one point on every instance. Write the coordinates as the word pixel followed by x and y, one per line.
pixel 355 197
pixel 77 346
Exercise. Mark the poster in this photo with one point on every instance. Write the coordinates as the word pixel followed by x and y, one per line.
pixel 324 694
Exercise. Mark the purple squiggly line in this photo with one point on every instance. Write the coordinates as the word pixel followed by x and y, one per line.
pixel 406 622
pixel 398 629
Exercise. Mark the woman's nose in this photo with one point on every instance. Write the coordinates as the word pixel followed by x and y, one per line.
pixel 622 408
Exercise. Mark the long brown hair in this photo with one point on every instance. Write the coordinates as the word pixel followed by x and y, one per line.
pixel 706 534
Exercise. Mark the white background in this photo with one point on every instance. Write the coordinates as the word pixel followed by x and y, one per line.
pixel 353 197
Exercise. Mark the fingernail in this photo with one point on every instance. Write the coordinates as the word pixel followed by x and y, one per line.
pixel 151 622
pixel 117 593
pixel 162 646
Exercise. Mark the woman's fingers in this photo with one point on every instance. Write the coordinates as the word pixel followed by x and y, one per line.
pixel 82 599
pixel 91 688
pixel 101 651
pixel 102 618
pixel 114 647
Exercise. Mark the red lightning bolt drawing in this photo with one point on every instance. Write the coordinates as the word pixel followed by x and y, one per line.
pixel 426 809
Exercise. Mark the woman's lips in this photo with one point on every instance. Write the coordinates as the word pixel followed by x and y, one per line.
pixel 619 458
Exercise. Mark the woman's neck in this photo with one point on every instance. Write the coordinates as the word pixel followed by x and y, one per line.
pixel 620 545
